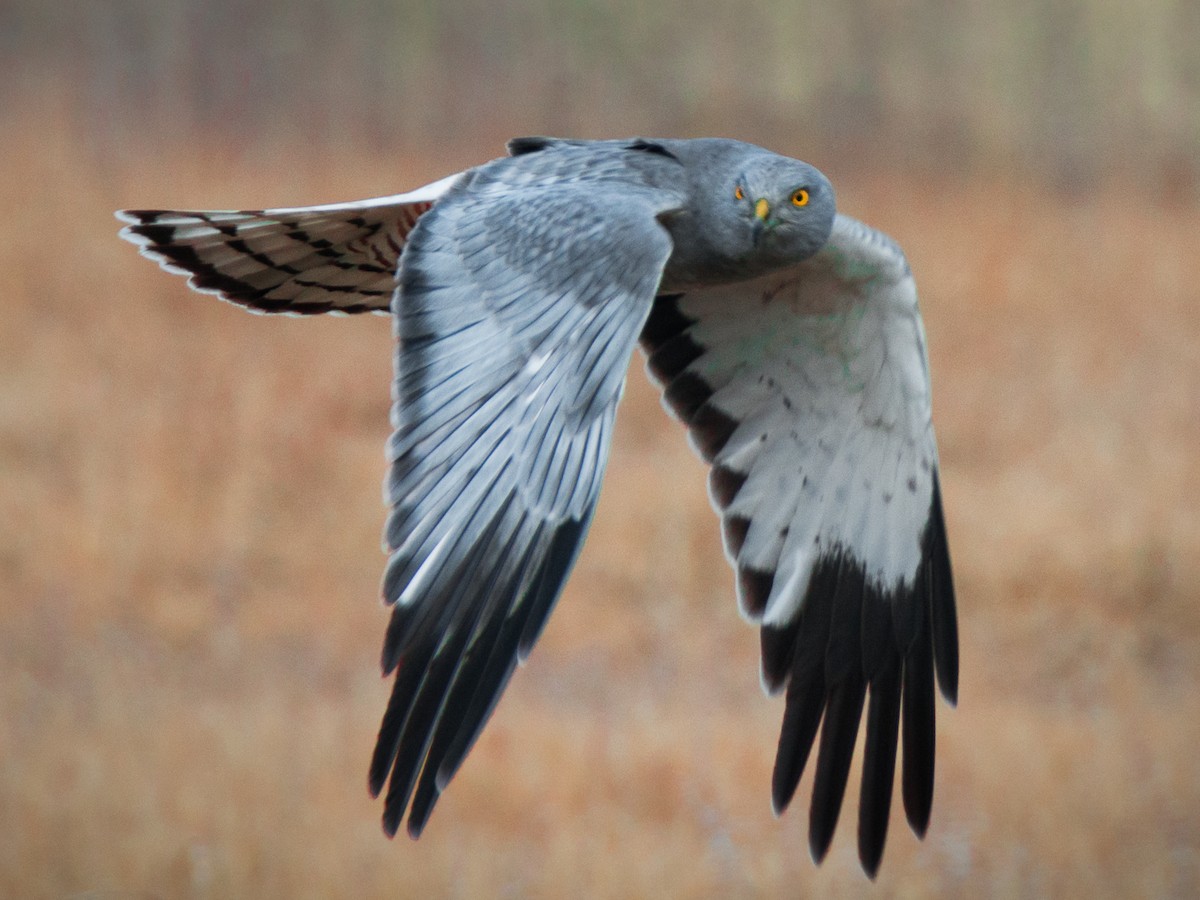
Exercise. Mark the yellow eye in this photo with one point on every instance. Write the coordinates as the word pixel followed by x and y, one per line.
pixel 800 198
pixel 737 193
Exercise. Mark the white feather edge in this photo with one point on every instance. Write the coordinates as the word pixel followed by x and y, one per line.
pixel 425 194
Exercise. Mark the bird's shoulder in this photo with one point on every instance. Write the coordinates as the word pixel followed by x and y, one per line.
pixel 856 253
pixel 608 165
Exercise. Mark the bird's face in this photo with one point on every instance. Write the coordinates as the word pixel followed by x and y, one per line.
pixel 784 209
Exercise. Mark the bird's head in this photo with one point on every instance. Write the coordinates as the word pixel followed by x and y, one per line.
pixel 783 209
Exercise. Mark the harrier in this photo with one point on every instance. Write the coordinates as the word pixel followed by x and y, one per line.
pixel 785 335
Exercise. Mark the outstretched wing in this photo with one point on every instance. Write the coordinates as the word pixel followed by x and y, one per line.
pixel 340 258
pixel 519 305
pixel 808 392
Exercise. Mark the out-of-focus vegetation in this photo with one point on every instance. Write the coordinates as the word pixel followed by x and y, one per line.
pixel 189 496
pixel 1067 90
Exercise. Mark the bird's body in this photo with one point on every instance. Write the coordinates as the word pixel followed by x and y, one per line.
pixel 787 338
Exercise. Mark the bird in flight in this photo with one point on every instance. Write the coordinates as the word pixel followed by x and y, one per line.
pixel 785 335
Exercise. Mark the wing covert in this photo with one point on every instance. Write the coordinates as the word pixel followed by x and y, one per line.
pixel 808 392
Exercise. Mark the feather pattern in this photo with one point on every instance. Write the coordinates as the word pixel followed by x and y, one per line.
pixel 508 369
pixel 340 258
pixel 807 390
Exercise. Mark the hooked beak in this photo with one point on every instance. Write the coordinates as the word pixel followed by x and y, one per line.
pixel 762 209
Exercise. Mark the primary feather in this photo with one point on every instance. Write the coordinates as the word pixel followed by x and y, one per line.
pixel 807 390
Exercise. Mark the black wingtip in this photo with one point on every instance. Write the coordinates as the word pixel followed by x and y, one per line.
pixel 801 718
pixel 943 614
pixel 838 735
pixel 424 801
pixel 879 764
pixel 391 820
pixel 375 781
pixel 848 640
pixel 795 654
pixel 561 555
pixel 416 826
pixel 843 711
pixel 820 835
pixel 918 735
pixel 816 851
pixel 872 837
pixel 871 867
pixel 918 819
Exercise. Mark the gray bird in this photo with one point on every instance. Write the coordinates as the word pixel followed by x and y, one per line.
pixel 786 337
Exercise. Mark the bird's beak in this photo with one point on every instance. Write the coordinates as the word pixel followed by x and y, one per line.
pixel 762 209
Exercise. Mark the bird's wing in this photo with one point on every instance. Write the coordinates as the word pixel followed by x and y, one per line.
pixel 808 392
pixel 520 302
pixel 340 258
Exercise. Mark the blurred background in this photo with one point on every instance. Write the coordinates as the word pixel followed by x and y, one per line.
pixel 190 512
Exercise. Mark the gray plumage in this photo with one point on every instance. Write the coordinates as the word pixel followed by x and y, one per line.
pixel 785 335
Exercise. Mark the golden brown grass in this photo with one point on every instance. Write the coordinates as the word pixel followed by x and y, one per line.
pixel 189 528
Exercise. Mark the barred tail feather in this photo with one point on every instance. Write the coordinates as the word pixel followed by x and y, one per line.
pixel 340 259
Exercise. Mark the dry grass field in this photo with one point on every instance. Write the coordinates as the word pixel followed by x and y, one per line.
pixel 189 533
